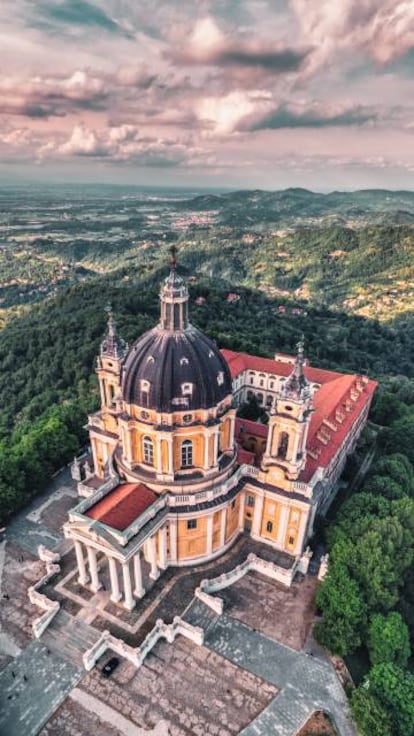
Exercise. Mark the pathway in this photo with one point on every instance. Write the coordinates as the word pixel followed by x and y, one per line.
pixel 307 683
pixel 27 704
pixel 114 718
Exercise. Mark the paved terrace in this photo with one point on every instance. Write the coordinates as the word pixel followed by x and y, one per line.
pixel 243 680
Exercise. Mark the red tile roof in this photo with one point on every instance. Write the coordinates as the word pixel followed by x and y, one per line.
pixel 332 398
pixel 244 457
pixel 255 428
pixel 239 362
pixel 121 506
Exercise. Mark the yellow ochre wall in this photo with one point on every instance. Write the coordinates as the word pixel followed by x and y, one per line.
pixel 192 542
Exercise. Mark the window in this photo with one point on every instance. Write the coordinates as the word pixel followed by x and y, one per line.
pixel 250 500
pixel 192 524
pixel 145 385
pixel 262 382
pixel 186 389
pixel 144 415
pixel 186 454
pixel 283 444
pixel 271 384
pixel 148 450
pixel 251 380
pixel 220 378
pixel 187 418
pixel 233 504
pixel 269 526
pixel 184 361
pixel 291 540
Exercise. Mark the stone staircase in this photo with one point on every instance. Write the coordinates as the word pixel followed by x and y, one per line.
pixel 198 614
pixel 69 637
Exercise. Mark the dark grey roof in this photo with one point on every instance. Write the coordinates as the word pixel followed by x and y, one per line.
pixel 169 359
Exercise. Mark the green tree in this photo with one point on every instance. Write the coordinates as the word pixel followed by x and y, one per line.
pixel 384 485
pixel 395 689
pixel 388 639
pixel 344 612
pixel 371 717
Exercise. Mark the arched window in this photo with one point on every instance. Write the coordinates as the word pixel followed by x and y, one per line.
pixel 148 450
pixel 186 454
pixel 283 444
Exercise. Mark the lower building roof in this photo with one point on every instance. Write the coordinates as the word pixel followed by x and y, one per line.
pixel 121 506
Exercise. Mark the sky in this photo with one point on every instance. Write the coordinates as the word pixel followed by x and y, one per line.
pixel 208 93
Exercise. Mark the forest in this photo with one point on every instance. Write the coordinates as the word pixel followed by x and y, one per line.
pixel 47 387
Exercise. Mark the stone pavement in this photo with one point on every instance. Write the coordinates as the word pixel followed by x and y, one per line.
pixel 307 683
pixel 26 705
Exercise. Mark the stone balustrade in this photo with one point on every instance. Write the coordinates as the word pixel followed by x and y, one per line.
pixel 137 655
pixel 323 568
pixel 214 602
pixel 41 600
pixel 251 563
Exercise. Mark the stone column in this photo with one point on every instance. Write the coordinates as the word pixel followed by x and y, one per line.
pixel 173 540
pixel 139 590
pixel 283 522
pixel 170 456
pixel 93 570
pixel 159 456
pixel 129 602
pixel 152 547
pixel 216 448
pixel 162 536
pixel 223 527
pixel 296 444
pixel 83 577
pixel 257 515
pixel 231 432
pixel 209 547
pixel 206 450
pixel 301 533
pixel 242 503
pixel 113 573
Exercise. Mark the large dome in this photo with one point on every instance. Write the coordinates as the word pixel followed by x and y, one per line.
pixel 175 370
pixel 174 367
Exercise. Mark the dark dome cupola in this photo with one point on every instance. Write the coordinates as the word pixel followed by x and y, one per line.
pixel 174 299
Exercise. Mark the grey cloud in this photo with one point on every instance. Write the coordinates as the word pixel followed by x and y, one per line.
pixel 285 116
pixel 234 55
pixel 78 12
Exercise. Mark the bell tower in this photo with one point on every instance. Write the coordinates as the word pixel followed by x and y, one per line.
pixel 289 424
pixel 109 364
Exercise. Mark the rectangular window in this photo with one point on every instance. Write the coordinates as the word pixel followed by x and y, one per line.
pixel 250 500
pixel 291 540
pixel 269 526
pixel 233 504
pixel 192 524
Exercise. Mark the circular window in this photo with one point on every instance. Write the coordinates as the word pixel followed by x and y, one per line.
pixel 187 418
pixel 289 408
pixel 144 415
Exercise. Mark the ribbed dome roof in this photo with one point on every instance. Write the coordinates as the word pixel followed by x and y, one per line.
pixel 169 370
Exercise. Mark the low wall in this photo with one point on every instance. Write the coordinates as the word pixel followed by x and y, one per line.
pixel 137 655
pixel 251 563
pixel 40 600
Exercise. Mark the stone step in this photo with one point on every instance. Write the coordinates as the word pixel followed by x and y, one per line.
pixel 69 637
pixel 198 614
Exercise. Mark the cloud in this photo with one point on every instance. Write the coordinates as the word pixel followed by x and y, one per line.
pixel 209 46
pixel 42 97
pixel 123 144
pixel 223 114
pixel 308 116
pixel 382 30
pixel 77 13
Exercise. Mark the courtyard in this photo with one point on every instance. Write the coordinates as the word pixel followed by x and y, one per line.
pixel 252 670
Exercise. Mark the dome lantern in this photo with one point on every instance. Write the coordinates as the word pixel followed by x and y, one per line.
pixel 174 299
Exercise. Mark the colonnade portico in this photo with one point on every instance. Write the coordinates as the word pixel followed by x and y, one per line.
pixel 132 584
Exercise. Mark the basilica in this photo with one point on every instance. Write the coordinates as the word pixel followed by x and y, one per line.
pixel 174 476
